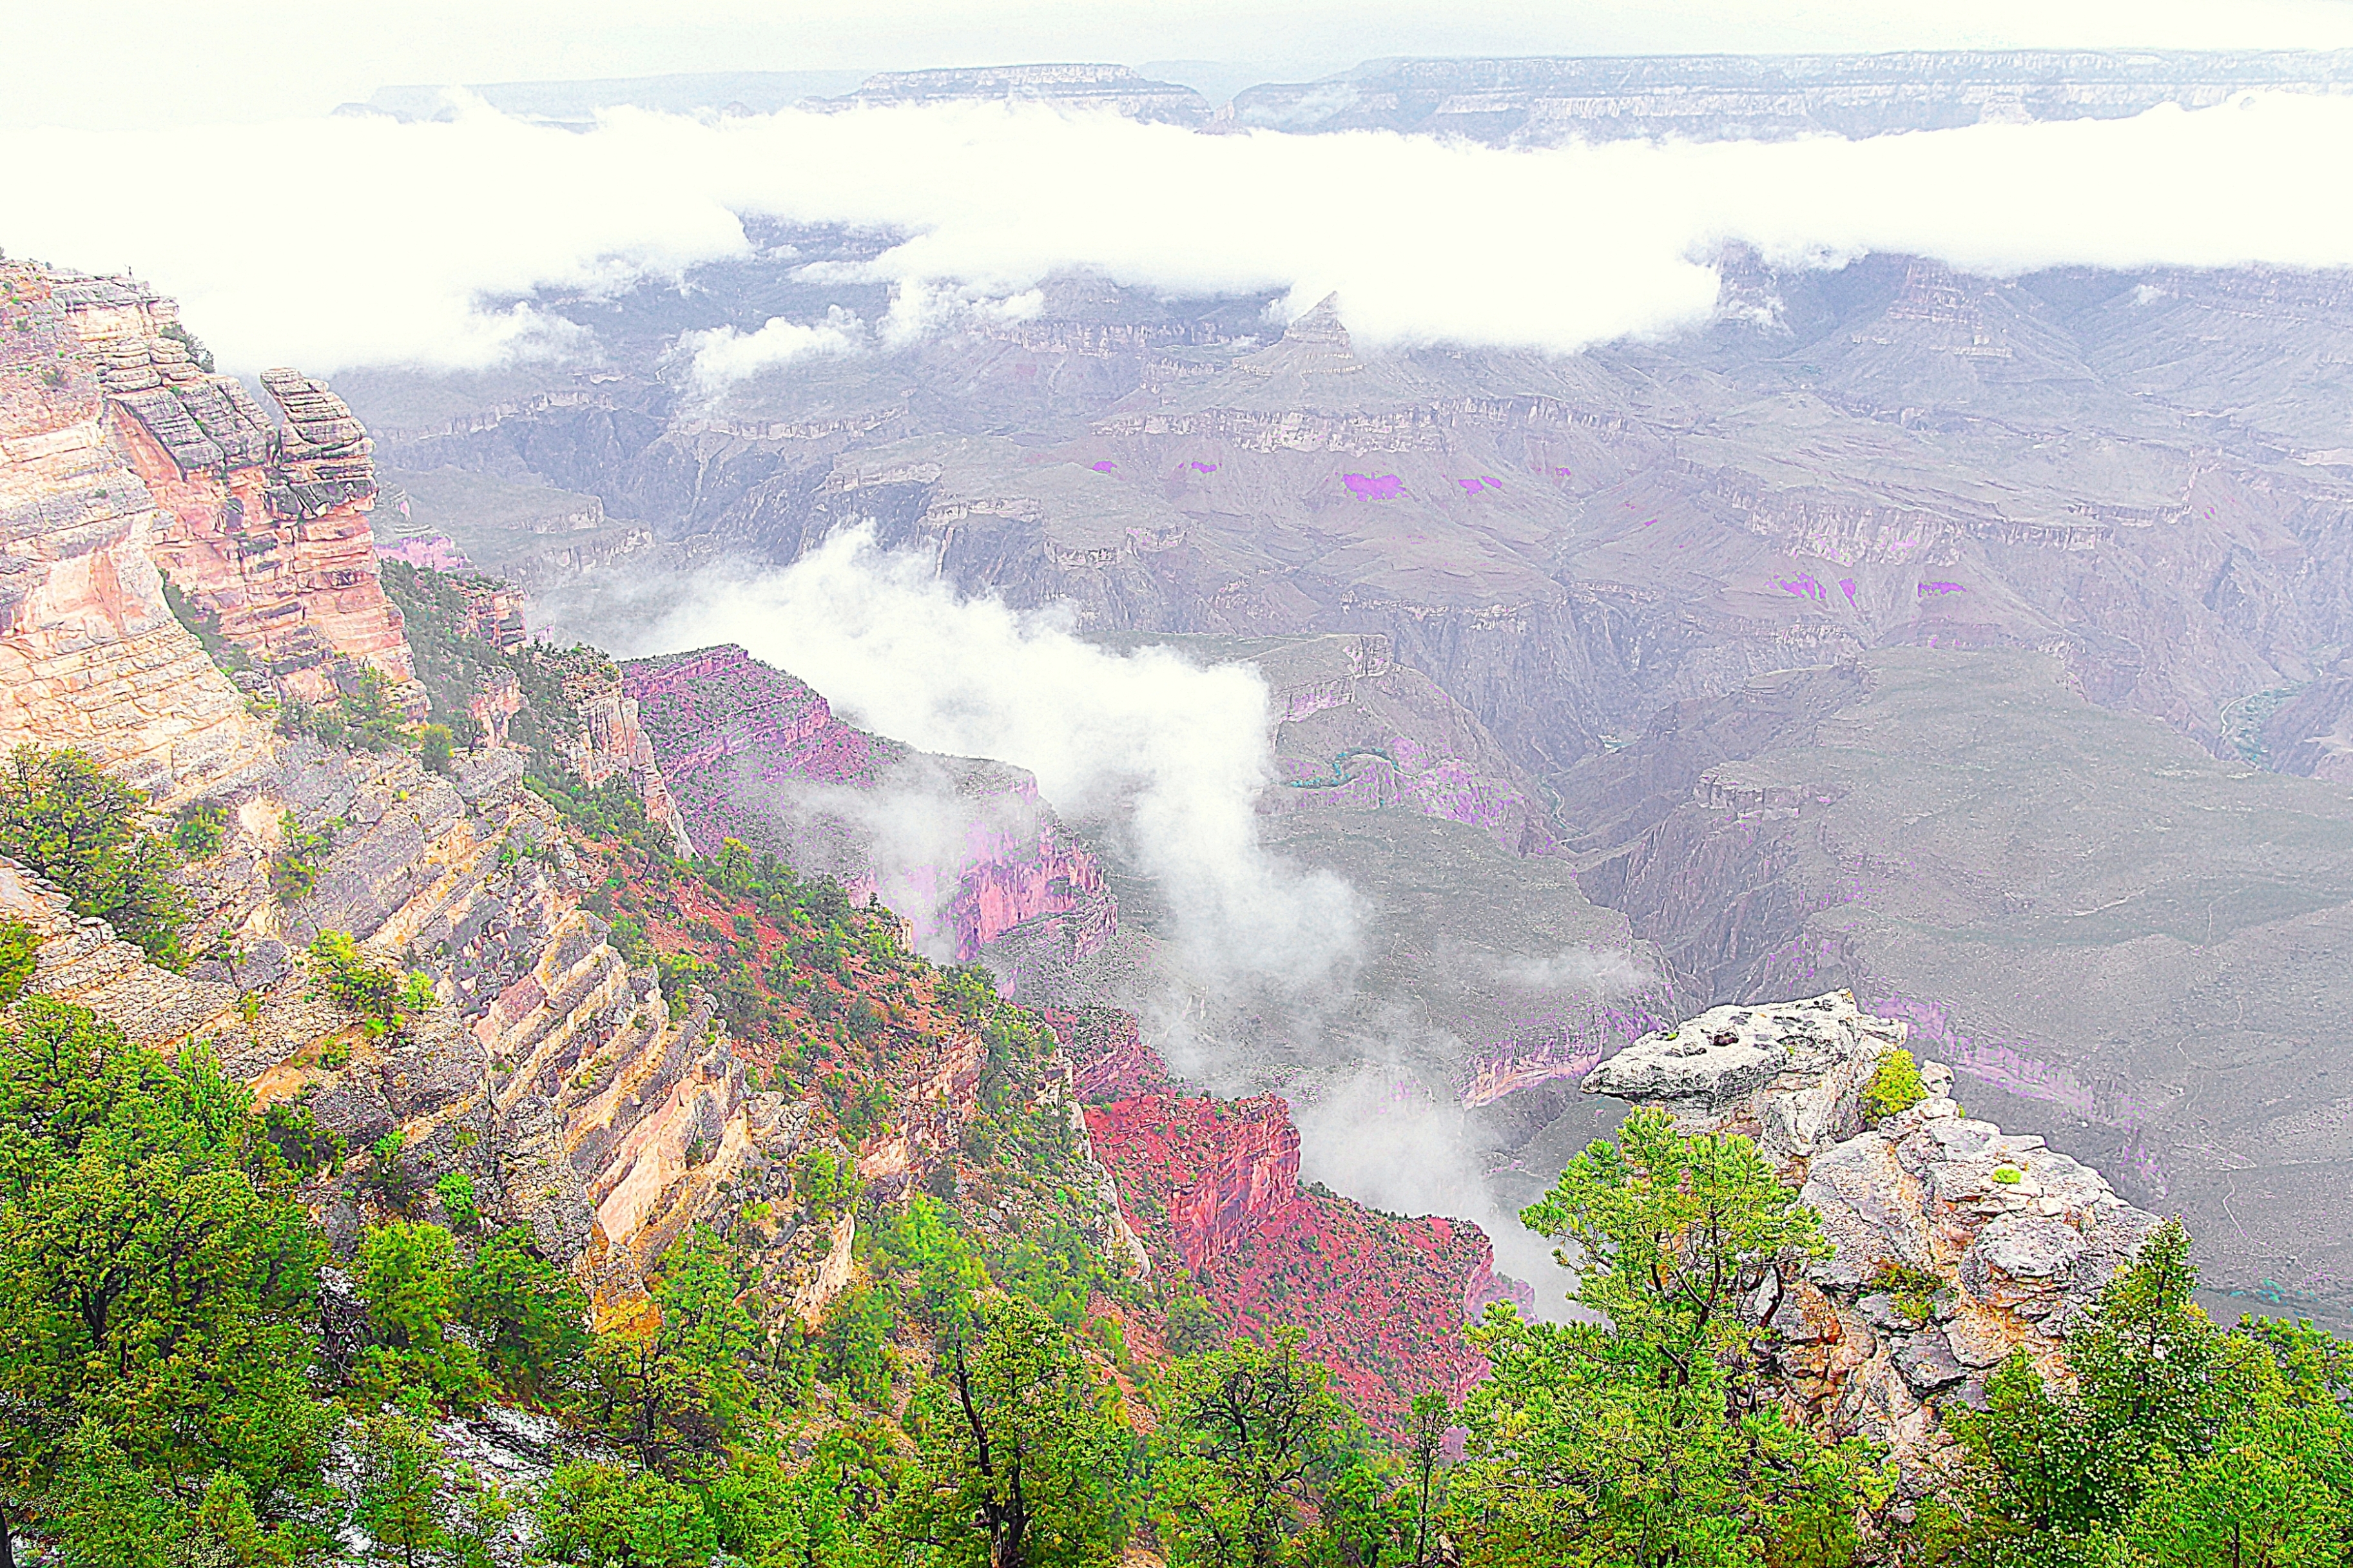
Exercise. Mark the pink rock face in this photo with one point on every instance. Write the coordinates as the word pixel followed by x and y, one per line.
pixel 265 526
pixel 89 654
pixel 703 707
pixel 754 755
pixel 1212 1186
pixel 1373 487
pixel 1108 1048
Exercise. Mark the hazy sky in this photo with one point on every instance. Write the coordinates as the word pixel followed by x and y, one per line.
pixel 159 63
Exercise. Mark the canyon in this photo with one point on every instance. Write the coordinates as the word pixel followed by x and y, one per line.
pixel 612 1050
pixel 1585 588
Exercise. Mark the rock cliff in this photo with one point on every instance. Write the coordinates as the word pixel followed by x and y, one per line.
pixel 90 652
pixel 1542 102
pixel 1117 89
pixel 265 527
pixel 1212 1188
pixel 1954 1244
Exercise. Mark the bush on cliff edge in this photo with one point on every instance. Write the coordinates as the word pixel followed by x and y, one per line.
pixel 66 817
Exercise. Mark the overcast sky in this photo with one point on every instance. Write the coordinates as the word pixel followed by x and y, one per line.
pixel 142 62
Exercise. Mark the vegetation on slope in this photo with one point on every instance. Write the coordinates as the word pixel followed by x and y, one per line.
pixel 170 1390
pixel 79 826
pixel 189 1373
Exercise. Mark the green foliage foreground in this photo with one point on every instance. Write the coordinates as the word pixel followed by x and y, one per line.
pixel 164 1402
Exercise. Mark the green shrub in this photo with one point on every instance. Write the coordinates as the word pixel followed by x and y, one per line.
pixel 2008 1175
pixel 300 1142
pixel 387 1005
pixel 203 625
pixel 200 829
pixel 609 1516
pixel 66 817
pixel 854 1344
pixel 1895 1088
pixel 20 951
pixel 526 1315
pixel 193 343
pixel 1916 1292
pixel 456 1189
pixel 436 747
pixel 294 869
pixel 407 1278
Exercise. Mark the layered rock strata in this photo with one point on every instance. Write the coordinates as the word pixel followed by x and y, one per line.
pixel 90 655
pixel 555 1074
pixel 265 528
pixel 1212 1189
pixel 611 742
pixel 1954 1245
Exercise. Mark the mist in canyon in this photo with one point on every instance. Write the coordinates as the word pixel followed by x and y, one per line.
pixel 1166 766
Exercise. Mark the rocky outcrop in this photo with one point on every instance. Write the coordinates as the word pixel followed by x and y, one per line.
pixel 89 652
pixel 610 743
pixel 964 846
pixel 82 961
pixel 265 528
pixel 1112 1061
pixel 1954 1245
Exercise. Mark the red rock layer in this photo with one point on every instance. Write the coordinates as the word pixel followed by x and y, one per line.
pixel 737 739
pixel 265 527
pixel 90 655
pixel 1212 1186
pixel 1110 1059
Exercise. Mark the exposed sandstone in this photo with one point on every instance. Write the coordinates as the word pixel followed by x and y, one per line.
pixel 89 654
pixel 267 526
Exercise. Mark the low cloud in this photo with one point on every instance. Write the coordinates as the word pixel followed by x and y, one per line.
pixel 1173 755
pixel 1606 973
pixel 723 357
pixel 1425 241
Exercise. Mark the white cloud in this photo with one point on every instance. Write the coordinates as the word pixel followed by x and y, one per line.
pixel 1606 973
pixel 1424 241
pixel 723 356
pixel 1174 753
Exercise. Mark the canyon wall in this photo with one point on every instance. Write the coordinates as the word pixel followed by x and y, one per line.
pixel 1212 1188
pixel 265 528
pixel 89 652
